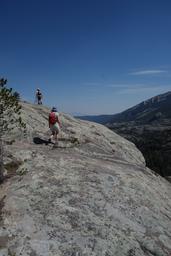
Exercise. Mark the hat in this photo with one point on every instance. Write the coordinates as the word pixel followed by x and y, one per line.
pixel 54 109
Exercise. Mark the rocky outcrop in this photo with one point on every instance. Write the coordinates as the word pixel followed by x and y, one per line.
pixel 91 195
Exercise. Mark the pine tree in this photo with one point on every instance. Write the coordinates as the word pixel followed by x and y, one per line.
pixel 10 116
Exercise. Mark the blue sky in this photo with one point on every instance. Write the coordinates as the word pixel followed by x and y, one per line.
pixel 87 56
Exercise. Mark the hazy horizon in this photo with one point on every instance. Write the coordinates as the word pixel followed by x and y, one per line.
pixel 89 57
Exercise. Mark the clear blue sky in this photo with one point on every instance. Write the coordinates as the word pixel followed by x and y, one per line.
pixel 87 56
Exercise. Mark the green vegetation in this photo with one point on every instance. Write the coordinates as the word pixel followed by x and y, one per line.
pixel 10 116
pixel 155 145
pixel 156 148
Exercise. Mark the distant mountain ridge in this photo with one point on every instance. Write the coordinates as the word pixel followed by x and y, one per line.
pixel 147 111
pixel 144 112
pixel 101 119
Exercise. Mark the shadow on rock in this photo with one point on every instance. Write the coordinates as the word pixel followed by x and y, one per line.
pixel 38 140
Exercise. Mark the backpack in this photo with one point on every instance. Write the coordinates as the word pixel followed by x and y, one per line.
pixel 52 118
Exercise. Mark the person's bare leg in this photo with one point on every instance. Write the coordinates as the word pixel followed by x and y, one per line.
pixel 56 137
pixel 51 137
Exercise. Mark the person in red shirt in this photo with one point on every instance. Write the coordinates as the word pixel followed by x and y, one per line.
pixel 54 124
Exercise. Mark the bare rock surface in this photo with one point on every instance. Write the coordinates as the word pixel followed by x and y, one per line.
pixel 92 195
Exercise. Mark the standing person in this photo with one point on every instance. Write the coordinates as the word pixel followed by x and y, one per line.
pixel 39 97
pixel 54 124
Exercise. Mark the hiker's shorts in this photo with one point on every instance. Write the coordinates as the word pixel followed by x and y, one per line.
pixel 55 128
